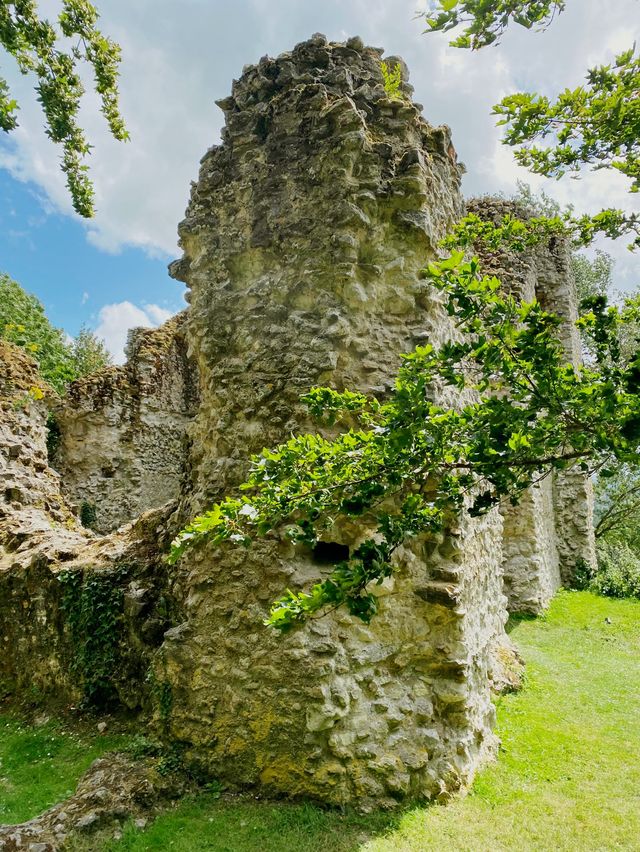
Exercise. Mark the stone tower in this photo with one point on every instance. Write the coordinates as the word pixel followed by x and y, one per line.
pixel 303 243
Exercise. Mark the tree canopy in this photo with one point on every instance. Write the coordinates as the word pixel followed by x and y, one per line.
pixel 596 125
pixel 411 465
pixel 484 21
pixel 23 321
pixel 53 55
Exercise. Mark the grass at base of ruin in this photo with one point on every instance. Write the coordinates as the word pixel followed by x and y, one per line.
pixel 40 764
pixel 568 775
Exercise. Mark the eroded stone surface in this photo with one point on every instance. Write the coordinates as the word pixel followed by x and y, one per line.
pixel 303 245
pixel 122 447
pixel 551 530
pixel 41 542
pixel 31 503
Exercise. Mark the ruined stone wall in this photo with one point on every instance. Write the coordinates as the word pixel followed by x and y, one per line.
pixel 30 499
pixel 531 562
pixel 552 526
pixel 81 618
pixel 122 447
pixel 303 243
pixel 60 583
pixel 572 491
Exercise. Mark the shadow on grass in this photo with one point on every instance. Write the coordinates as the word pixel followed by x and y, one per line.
pixel 519 617
pixel 243 825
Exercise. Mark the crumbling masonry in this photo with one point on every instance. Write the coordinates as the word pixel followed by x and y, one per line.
pixel 303 242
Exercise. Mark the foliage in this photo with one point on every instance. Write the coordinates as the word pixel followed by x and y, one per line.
pixel 484 22
pixel 55 56
pixel 596 125
pixel 23 321
pixel 88 514
pixel 24 400
pixel 592 276
pixel 53 436
pixel 539 203
pixel 92 606
pixel 162 696
pixel 141 746
pixel 518 234
pixel 89 353
pixel 511 233
pixel 410 465
pixel 617 489
pixel 582 575
pixel 392 80
pixel 618 571
pixel 618 506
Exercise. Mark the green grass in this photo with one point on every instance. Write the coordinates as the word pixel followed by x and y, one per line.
pixel 568 777
pixel 41 765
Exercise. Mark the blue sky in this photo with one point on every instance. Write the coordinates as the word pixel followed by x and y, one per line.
pixel 49 254
pixel 178 57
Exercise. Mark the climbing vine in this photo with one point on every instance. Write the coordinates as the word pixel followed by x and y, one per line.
pixel 162 696
pixel 88 514
pixel 92 607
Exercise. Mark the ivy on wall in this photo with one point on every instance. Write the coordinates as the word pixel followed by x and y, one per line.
pixel 92 605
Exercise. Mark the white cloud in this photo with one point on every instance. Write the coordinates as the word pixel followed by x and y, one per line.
pixel 114 322
pixel 179 57
pixel 158 315
pixel 85 298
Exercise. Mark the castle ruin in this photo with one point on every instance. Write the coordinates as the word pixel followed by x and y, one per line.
pixel 302 247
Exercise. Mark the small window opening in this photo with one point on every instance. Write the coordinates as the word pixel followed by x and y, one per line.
pixel 330 553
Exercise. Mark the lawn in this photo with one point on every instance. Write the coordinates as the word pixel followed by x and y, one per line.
pixel 41 764
pixel 568 777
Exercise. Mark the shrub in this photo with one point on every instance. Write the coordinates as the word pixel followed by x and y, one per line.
pixel 618 571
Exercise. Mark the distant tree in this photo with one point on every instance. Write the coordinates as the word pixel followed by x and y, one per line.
pixel 539 203
pixel 23 321
pixel 89 352
pixel 53 55
pixel 593 275
pixel 618 506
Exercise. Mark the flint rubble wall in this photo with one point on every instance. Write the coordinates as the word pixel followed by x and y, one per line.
pixel 123 445
pixel 551 530
pixel 303 244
